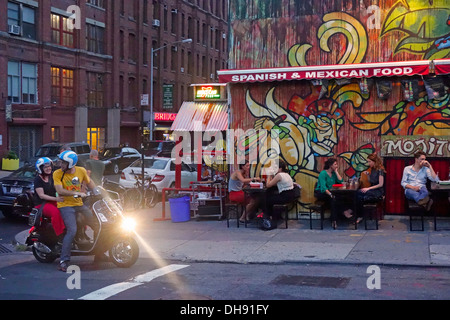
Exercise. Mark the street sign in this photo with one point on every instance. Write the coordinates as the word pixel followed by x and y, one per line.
pixel 167 96
pixel 144 99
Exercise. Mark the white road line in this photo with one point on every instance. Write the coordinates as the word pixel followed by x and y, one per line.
pixel 116 288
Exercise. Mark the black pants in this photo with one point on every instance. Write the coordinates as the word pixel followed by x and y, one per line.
pixel 341 205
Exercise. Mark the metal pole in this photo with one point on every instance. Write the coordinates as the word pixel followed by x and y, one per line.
pixel 151 94
pixel 142 154
pixel 152 53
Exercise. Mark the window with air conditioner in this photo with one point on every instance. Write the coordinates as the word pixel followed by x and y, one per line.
pixel 21 20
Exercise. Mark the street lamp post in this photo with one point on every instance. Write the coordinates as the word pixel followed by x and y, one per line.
pixel 152 53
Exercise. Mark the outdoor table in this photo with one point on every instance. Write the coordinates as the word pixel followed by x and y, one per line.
pixel 439 191
pixel 260 192
pixel 347 191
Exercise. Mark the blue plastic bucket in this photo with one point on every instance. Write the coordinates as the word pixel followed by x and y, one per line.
pixel 180 209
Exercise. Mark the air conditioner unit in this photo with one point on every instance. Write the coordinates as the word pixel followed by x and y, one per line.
pixel 175 49
pixel 156 23
pixel 174 10
pixel 182 70
pixel 212 75
pixel 14 29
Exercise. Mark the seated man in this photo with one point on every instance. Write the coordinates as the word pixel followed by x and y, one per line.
pixel 415 178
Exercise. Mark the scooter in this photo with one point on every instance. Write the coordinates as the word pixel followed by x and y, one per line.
pixel 115 234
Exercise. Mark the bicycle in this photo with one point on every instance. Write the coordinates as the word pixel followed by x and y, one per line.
pixel 133 197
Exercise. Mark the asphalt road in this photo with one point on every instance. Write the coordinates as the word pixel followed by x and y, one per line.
pixel 23 278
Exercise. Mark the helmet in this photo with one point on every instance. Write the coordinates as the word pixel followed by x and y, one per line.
pixel 40 162
pixel 70 157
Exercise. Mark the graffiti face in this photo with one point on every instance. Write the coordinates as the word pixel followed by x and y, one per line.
pixel 326 135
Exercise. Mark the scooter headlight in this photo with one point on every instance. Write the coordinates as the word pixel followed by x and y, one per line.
pixel 129 224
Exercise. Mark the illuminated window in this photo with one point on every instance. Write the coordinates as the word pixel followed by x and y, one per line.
pixel 96 138
pixel 61 33
pixel 55 134
pixel 62 86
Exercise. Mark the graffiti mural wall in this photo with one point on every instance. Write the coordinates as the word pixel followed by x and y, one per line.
pixel 342 118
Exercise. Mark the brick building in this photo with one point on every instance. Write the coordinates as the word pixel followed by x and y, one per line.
pixel 75 70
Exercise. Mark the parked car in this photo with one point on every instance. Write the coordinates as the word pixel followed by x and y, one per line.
pixel 52 150
pixel 18 182
pixel 162 170
pixel 117 158
pixel 160 148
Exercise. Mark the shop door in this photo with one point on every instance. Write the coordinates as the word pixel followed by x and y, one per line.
pixel 25 141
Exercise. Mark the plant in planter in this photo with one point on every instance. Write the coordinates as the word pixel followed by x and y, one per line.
pixel 10 161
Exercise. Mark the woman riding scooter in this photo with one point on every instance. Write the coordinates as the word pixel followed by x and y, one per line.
pixel 45 194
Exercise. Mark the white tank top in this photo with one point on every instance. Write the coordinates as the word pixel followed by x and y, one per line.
pixel 285 182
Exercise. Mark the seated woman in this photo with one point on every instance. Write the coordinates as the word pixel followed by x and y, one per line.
pixel 327 178
pixel 44 191
pixel 236 194
pixel 371 183
pixel 282 191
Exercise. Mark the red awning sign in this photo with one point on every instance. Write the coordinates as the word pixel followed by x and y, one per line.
pixel 442 66
pixel 363 70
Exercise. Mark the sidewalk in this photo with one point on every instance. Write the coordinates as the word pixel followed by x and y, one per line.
pixel 211 241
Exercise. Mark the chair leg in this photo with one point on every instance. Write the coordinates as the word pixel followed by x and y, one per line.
pixel 322 216
pixel 421 222
pixel 286 217
pixel 310 219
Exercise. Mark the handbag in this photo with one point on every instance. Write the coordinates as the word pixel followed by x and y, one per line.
pixel 264 223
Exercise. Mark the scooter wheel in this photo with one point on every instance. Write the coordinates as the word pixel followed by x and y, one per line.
pixel 43 257
pixel 124 252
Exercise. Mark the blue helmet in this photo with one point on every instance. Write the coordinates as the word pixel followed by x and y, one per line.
pixel 40 162
pixel 70 157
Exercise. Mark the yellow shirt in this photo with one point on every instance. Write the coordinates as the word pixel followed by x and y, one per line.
pixel 71 182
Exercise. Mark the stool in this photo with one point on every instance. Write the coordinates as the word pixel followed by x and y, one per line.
pixel 233 207
pixel 414 210
pixel 282 208
pixel 319 207
pixel 370 210
pixel 373 210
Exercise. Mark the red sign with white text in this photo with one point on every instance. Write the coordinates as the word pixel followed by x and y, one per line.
pixel 367 70
pixel 164 116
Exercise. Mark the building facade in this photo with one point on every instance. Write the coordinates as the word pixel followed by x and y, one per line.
pixel 76 70
pixel 343 79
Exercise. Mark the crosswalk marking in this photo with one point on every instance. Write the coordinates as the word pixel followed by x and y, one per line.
pixel 117 288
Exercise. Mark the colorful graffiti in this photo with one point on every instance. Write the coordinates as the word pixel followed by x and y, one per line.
pixel 426 25
pixel 315 121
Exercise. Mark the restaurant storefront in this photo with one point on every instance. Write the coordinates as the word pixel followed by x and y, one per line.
pixel 340 87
